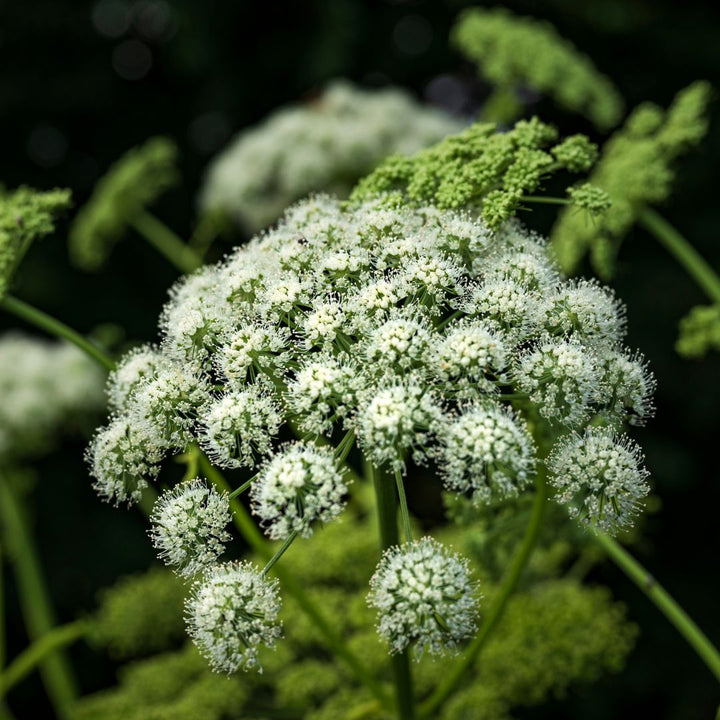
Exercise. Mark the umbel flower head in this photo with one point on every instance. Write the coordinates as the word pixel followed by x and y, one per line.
pixel 299 485
pixel 47 388
pixel 188 526
pixel 513 52
pixel 416 332
pixel 424 597
pixel 232 612
pixel 599 477
pixel 25 214
pixel 326 144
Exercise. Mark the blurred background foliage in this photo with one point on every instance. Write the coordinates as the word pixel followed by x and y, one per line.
pixel 82 82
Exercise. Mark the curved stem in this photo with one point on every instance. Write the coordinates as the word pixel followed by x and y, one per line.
pixel 386 500
pixel 663 600
pixel 240 490
pixel 280 552
pixel 166 242
pixel 34 599
pixel 35 654
pixel 495 612
pixel 254 538
pixel 55 327
pixel 696 266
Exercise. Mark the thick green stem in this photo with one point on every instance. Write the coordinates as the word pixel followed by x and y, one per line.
pixel 387 510
pixel 166 242
pixel 665 603
pixel 53 326
pixel 696 266
pixel 254 538
pixel 57 638
pixel 455 676
pixel 35 600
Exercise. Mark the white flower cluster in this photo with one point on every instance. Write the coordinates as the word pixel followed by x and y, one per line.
pixel 188 526
pixel 423 596
pixel 394 324
pixel 416 334
pixel 45 387
pixel 299 485
pixel 231 613
pixel 599 477
pixel 325 145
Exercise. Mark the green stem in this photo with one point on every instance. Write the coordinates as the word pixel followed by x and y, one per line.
pixel 53 326
pixel 455 676
pixel 2 612
pixel 57 638
pixel 345 446
pixel 502 106
pixel 34 599
pixel 665 603
pixel 696 266
pixel 240 490
pixel 280 552
pixel 404 513
pixel 166 242
pixel 254 538
pixel 387 506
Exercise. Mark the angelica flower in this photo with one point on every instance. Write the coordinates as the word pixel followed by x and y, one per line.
pixel 599 477
pixel 635 170
pixel 168 401
pixel 511 51
pixel 296 487
pixel 324 389
pixel 325 145
pixel 239 427
pixel 188 526
pixel 129 186
pixel 486 451
pixel 137 365
pixel 231 612
pixel 468 356
pixel 563 378
pixel 424 597
pixel 46 387
pixel 394 419
pixel 585 309
pixel 123 456
pixel 25 214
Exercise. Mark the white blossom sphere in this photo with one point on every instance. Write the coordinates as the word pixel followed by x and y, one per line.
pixel 486 451
pixel 599 477
pixel 424 597
pixel 232 612
pixel 188 526
pixel 300 485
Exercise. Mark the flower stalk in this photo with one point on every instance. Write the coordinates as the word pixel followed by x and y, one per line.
pixel 387 508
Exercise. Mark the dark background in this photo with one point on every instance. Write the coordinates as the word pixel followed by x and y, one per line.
pixel 78 87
